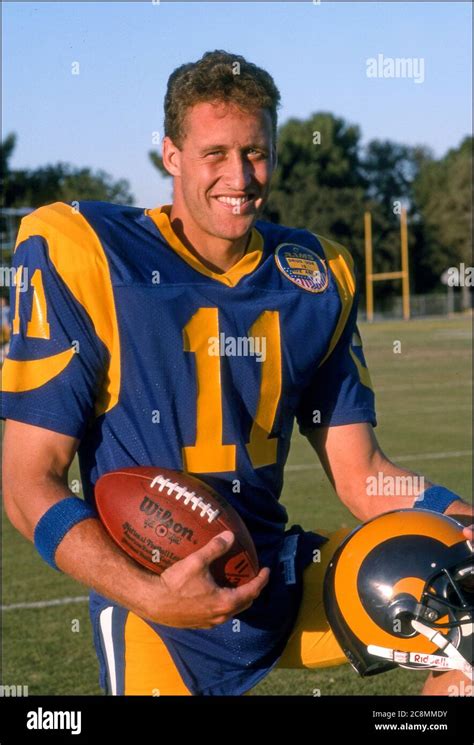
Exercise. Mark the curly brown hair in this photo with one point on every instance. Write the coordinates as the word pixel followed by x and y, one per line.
pixel 218 76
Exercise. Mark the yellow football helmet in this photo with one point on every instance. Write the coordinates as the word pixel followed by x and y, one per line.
pixel 399 591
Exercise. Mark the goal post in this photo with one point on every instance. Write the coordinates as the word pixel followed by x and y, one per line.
pixel 371 277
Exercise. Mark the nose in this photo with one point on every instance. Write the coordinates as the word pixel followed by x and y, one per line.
pixel 238 171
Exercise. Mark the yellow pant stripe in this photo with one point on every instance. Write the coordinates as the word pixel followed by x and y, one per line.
pixel 312 643
pixel 149 667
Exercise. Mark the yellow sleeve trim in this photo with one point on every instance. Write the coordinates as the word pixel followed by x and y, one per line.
pixel 19 376
pixel 364 374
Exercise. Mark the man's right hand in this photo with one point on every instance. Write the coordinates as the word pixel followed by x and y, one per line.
pixel 188 597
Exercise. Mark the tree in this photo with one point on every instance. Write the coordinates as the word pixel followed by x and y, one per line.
pixel 51 183
pixel 8 146
pixel 59 182
pixel 390 169
pixel 443 198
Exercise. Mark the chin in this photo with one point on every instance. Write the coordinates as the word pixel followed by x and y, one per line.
pixel 239 228
pixel 232 235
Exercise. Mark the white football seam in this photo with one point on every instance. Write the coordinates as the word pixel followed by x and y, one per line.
pixel 189 496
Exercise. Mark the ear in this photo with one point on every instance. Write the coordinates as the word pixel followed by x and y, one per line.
pixel 171 157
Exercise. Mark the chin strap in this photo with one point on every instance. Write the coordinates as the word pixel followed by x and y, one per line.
pixel 420 660
pixel 443 643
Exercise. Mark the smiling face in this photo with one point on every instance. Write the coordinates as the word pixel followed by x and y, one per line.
pixel 222 173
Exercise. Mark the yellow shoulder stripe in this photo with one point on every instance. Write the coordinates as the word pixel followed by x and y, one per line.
pixel 79 258
pixel 341 264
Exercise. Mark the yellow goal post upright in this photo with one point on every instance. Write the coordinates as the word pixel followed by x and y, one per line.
pixel 370 277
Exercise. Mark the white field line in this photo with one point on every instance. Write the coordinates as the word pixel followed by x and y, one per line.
pixel 291 469
pixel 421 386
pixel 395 458
pixel 45 603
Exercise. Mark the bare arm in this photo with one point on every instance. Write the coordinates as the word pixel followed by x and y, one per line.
pixel 35 468
pixel 353 460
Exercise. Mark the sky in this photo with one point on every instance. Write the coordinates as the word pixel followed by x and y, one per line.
pixel 107 116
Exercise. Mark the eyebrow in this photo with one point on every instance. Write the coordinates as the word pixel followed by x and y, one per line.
pixel 254 145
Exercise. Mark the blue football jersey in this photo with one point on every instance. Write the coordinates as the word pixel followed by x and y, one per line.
pixel 122 338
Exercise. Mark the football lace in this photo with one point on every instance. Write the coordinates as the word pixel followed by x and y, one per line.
pixel 189 497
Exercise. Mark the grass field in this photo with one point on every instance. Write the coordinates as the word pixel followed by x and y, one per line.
pixel 424 414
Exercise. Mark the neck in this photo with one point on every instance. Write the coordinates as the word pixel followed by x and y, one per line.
pixel 219 254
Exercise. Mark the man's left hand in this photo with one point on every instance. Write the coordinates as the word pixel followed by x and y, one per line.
pixel 463 513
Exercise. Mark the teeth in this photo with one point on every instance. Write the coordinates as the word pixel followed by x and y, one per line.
pixel 233 200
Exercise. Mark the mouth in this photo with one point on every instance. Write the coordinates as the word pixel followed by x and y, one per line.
pixel 236 205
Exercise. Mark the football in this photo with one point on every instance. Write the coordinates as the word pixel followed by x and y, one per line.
pixel 158 517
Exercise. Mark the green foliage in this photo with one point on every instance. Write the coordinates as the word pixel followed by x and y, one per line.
pixel 443 198
pixel 6 151
pixel 58 182
pixel 323 149
pixel 390 169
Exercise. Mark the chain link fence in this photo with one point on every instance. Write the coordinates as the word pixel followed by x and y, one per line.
pixel 433 304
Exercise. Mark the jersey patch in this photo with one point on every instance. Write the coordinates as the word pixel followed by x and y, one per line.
pixel 302 266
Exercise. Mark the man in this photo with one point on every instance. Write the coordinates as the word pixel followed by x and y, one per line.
pixel 111 357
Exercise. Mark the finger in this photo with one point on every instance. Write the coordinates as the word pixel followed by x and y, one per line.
pixel 469 532
pixel 238 599
pixel 216 547
pixel 240 602
pixel 252 589
pixel 263 576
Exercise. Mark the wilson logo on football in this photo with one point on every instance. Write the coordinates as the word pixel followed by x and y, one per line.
pixel 162 521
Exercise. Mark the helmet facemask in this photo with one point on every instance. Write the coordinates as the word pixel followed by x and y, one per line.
pixel 444 615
